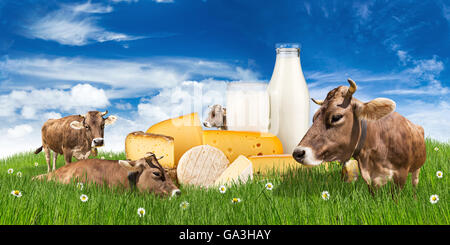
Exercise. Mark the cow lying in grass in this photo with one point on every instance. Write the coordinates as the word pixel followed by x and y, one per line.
pixel 386 145
pixel 146 174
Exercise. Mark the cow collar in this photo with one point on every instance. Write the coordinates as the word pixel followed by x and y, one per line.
pixel 362 138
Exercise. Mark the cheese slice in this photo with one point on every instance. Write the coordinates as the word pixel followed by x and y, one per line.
pixel 201 166
pixel 277 163
pixel 235 143
pixel 138 143
pixel 186 131
pixel 240 171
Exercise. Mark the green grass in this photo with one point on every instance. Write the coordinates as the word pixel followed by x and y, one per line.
pixel 295 199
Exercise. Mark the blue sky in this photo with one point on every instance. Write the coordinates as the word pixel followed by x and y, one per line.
pixel 140 58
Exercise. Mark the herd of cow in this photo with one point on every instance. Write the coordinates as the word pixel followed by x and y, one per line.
pixel 386 145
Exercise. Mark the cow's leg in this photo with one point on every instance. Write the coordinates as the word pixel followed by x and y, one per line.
pixel 67 156
pixel 415 180
pixel 55 156
pixel 47 157
pixel 399 182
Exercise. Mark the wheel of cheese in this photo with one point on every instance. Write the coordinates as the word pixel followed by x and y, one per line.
pixel 201 166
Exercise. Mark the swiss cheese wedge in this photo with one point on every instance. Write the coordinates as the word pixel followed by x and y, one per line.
pixel 186 131
pixel 138 143
pixel 201 166
pixel 278 163
pixel 239 171
pixel 235 143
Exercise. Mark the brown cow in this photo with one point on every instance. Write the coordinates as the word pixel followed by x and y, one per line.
pixel 146 174
pixel 217 117
pixel 76 135
pixel 386 145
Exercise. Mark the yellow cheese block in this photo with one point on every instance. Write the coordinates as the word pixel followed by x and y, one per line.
pixel 277 163
pixel 240 171
pixel 235 143
pixel 138 143
pixel 186 131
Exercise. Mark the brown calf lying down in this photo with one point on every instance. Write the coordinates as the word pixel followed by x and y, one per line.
pixel 146 174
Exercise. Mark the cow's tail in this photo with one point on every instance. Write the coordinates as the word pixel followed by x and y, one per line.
pixel 38 150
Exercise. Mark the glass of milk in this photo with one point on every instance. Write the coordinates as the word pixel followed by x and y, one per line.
pixel 247 106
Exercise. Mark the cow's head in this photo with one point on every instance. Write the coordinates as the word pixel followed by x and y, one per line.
pixel 336 126
pixel 93 125
pixel 216 117
pixel 150 176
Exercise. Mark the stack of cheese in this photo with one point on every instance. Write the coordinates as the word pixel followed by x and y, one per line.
pixel 203 157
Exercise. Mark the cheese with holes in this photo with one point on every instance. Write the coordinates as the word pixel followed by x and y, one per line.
pixel 201 166
pixel 235 143
pixel 138 143
pixel 274 163
pixel 240 171
pixel 186 131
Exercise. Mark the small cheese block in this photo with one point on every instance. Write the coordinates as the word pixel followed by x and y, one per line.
pixel 350 171
pixel 138 143
pixel 186 131
pixel 240 171
pixel 235 143
pixel 201 166
pixel 279 163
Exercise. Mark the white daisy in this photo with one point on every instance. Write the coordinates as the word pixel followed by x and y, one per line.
pixel 110 156
pixel 103 158
pixel 141 212
pixel 19 174
pixel 16 193
pixel 222 189
pixel 269 186
pixel 434 199
pixel 36 164
pixel 80 186
pixel 10 171
pixel 436 149
pixel 184 205
pixel 84 198
pixel 439 174
pixel 325 195
pixel 235 200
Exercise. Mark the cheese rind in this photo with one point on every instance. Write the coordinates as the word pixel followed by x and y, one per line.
pixel 280 163
pixel 138 143
pixel 239 171
pixel 186 131
pixel 235 143
pixel 201 166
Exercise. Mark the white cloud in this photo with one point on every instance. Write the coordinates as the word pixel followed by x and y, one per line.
pixel 164 1
pixel 75 25
pixel 19 131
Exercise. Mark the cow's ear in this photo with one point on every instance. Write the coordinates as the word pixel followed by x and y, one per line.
pixel 374 109
pixel 76 125
pixel 130 165
pixel 110 120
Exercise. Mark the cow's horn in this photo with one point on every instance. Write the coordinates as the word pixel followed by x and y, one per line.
pixel 352 87
pixel 159 158
pixel 319 102
pixel 104 113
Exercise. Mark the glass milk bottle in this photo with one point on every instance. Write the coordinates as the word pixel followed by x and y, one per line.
pixel 288 98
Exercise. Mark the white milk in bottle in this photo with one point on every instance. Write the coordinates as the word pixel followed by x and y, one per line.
pixel 288 98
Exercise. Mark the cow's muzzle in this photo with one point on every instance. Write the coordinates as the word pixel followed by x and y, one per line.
pixel 97 142
pixel 305 156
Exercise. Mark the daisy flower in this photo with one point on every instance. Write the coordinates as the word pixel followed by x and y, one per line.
pixel 269 186
pixel 103 158
pixel 80 186
pixel 439 174
pixel 10 171
pixel 19 174
pixel 184 205
pixel 325 195
pixel 434 199
pixel 84 198
pixel 110 155
pixel 436 149
pixel 16 193
pixel 222 189
pixel 36 164
pixel 235 200
pixel 141 212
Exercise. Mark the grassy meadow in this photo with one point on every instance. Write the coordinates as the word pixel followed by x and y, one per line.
pixel 295 199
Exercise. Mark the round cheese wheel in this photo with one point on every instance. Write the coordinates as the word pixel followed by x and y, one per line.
pixel 201 166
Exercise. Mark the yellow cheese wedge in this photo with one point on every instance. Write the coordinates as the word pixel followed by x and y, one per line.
pixel 201 166
pixel 235 143
pixel 240 171
pixel 277 163
pixel 186 131
pixel 138 143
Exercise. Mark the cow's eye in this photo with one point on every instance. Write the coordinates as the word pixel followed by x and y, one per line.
pixel 336 118
pixel 87 126
pixel 157 174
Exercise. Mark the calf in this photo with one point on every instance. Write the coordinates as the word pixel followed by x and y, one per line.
pixel 145 174
pixel 386 145
pixel 217 117
pixel 76 135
